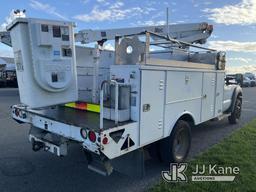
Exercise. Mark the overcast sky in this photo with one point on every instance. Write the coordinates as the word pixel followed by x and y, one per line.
pixel 234 20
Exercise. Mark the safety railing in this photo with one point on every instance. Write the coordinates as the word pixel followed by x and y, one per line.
pixel 116 84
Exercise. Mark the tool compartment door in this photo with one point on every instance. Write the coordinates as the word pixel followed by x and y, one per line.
pixel 208 97
pixel 152 106
pixel 219 93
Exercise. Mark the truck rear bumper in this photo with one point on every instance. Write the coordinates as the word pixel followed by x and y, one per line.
pixel 112 141
pixel 70 132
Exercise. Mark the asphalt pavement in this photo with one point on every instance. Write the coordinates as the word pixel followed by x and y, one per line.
pixel 21 169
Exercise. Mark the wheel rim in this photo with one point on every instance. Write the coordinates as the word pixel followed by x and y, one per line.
pixel 238 109
pixel 181 144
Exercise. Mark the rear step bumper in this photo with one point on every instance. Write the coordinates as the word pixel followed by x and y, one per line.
pixel 131 164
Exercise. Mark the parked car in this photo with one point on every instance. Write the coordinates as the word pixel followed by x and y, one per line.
pixel 250 75
pixel 246 82
pixel 8 79
pixel 252 78
pixel 234 79
pixel 2 80
pixel 239 79
pixel 252 82
pixel 11 79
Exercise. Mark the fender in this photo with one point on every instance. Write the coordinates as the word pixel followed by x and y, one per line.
pixel 186 116
pixel 237 93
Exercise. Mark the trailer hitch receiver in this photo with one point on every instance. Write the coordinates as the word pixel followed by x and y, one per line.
pixel 37 145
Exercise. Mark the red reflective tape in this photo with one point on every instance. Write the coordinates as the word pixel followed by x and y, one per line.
pixel 82 106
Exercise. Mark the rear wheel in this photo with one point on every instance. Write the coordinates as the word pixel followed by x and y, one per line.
pixel 175 148
pixel 236 113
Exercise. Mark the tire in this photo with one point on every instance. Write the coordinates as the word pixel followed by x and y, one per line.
pixel 175 148
pixel 236 113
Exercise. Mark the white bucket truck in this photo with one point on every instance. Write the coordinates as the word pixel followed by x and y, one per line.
pixel 152 89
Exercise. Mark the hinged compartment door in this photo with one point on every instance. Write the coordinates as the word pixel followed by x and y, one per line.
pixel 219 94
pixel 152 106
pixel 208 97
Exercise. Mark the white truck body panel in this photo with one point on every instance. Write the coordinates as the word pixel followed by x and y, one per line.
pixel 219 94
pixel 184 95
pixel 152 97
pixel 171 93
pixel 228 92
pixel 86 73
pixel 208 96
pixel 114 149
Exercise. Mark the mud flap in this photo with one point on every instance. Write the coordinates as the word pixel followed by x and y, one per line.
pixel 131 164
pixel 98 164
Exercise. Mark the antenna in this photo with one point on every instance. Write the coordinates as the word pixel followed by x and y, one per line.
pixel 167 21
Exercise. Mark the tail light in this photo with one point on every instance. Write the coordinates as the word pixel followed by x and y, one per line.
pixel 92 136
pixel 105 140
pixel 17 112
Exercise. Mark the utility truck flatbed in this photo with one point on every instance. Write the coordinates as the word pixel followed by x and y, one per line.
pixel 75 117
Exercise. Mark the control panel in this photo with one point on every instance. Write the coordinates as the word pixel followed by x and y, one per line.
pixel 52 53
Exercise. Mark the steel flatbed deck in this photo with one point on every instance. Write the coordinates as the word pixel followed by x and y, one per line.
pixel 75 117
